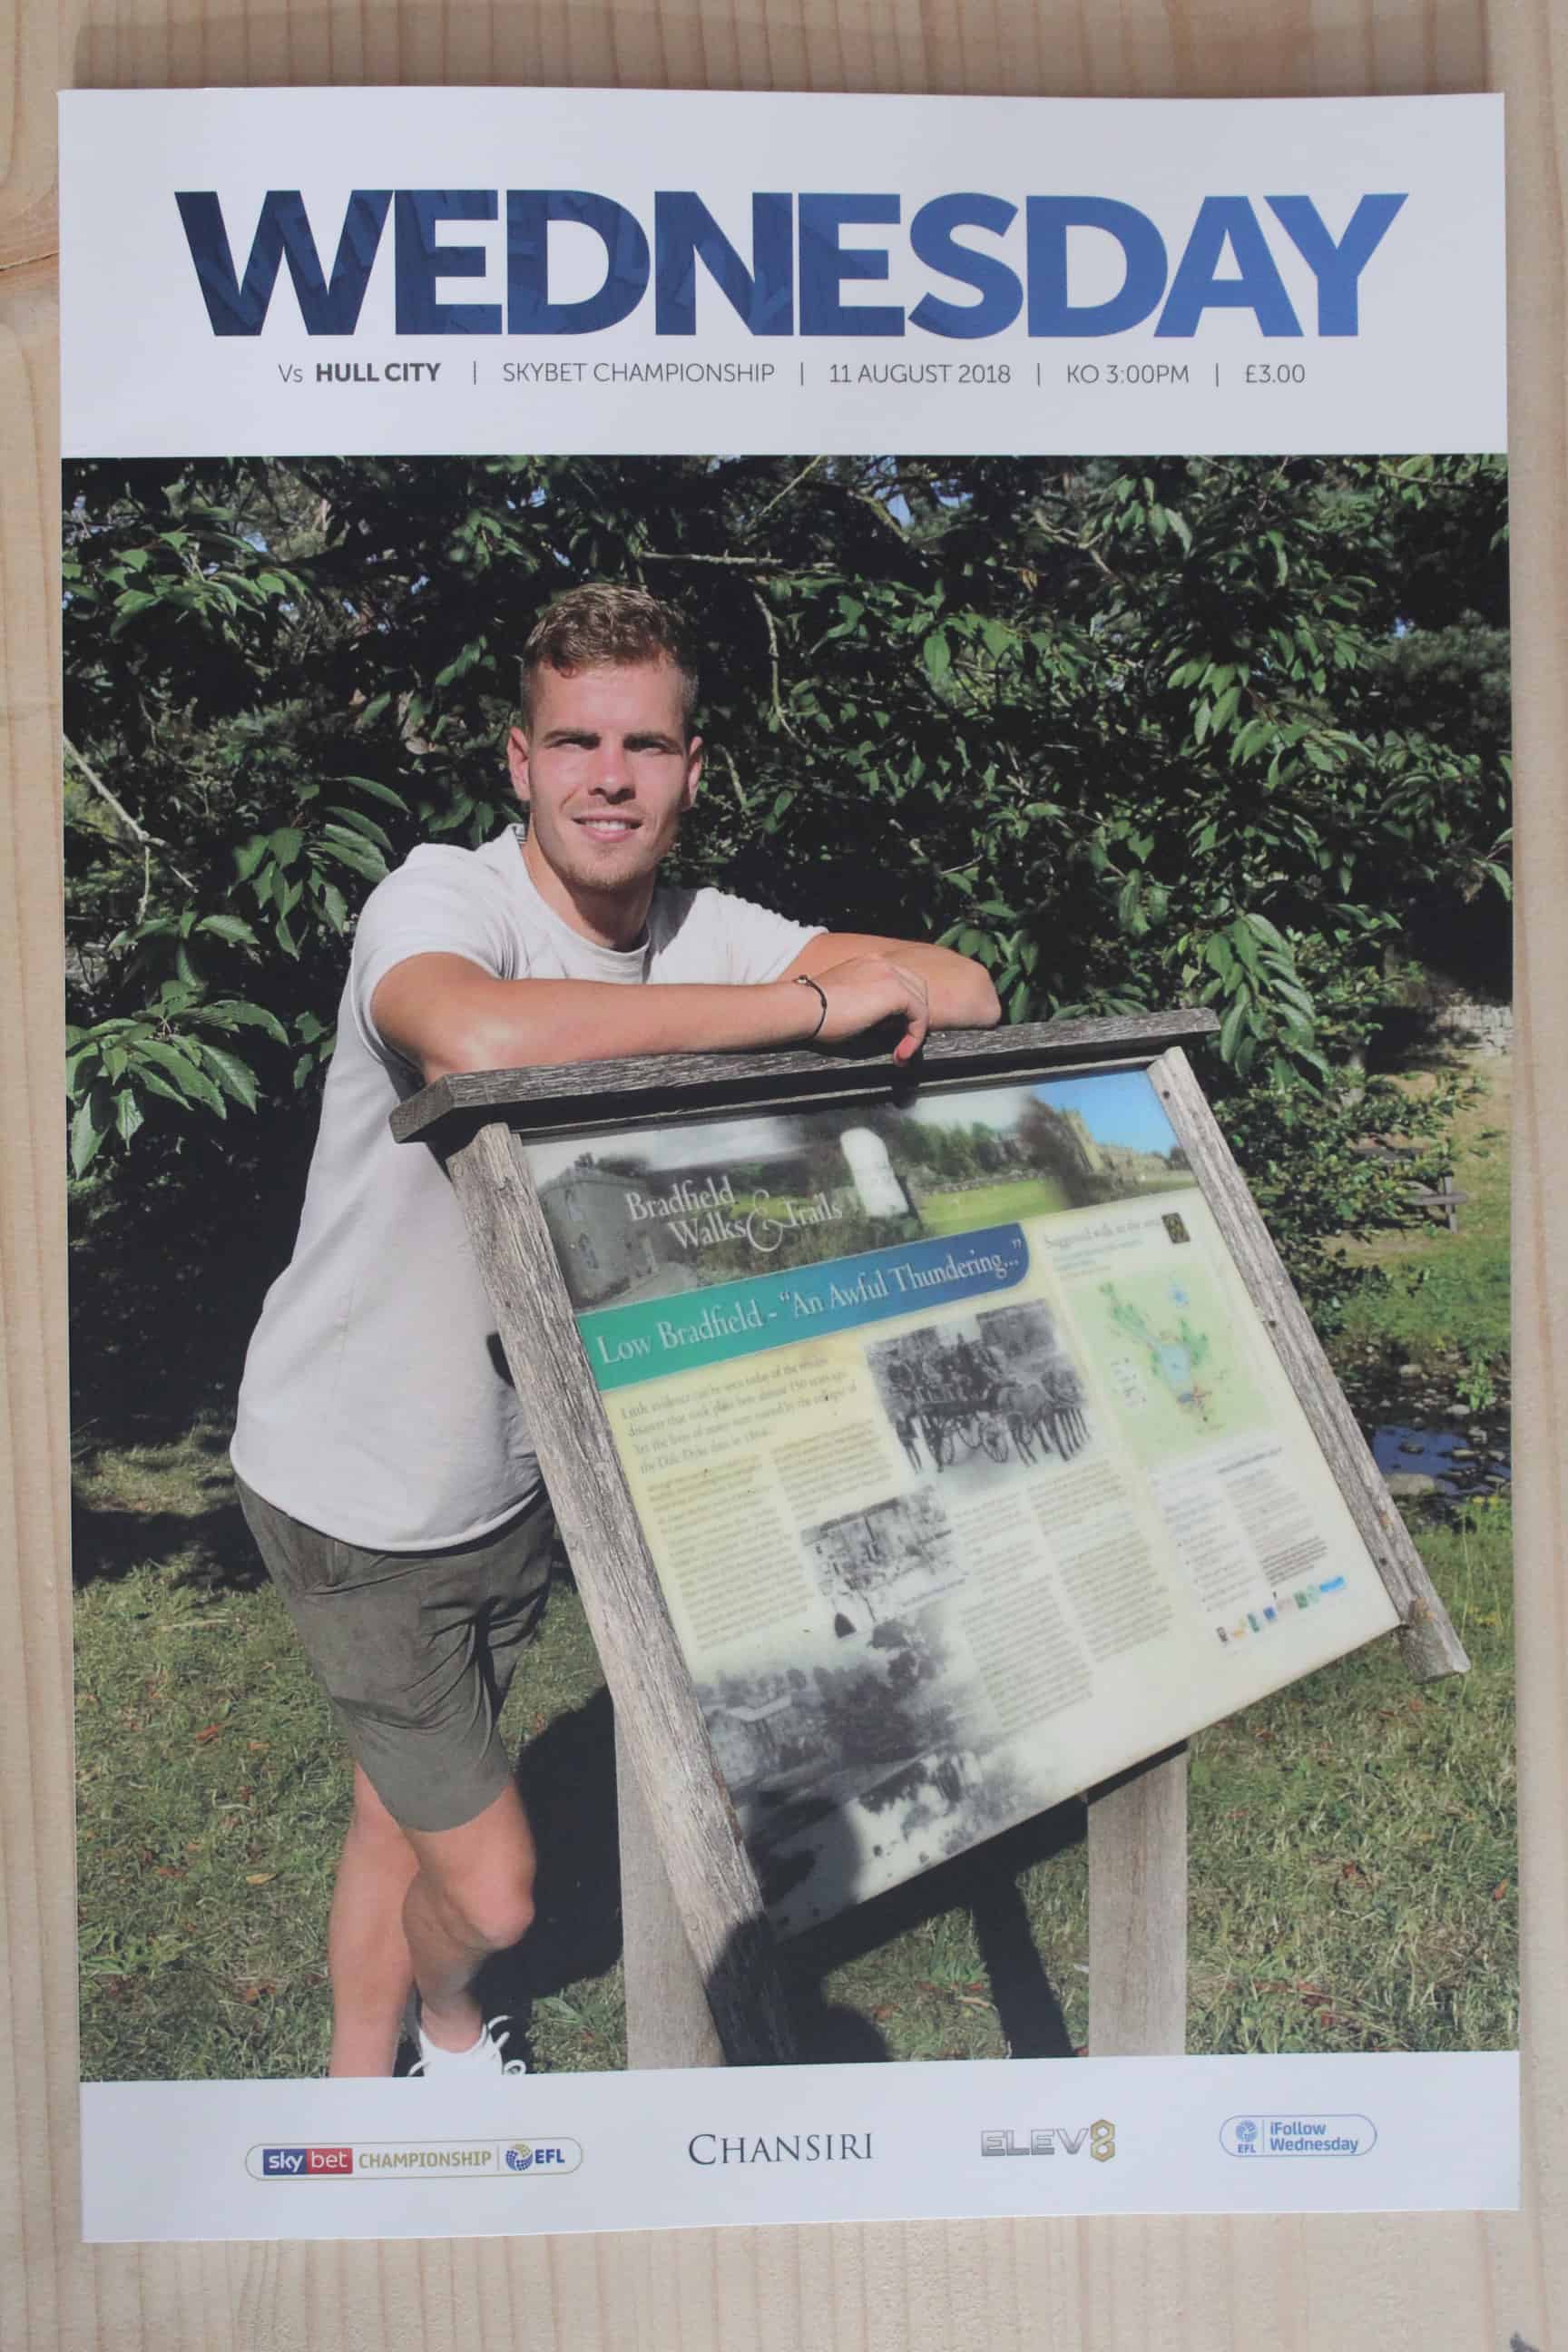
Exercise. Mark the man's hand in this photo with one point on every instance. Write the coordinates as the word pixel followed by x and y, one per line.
pixel 865 991
pixel 956 990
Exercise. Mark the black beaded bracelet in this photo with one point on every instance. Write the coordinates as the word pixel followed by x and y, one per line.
pixel 801 981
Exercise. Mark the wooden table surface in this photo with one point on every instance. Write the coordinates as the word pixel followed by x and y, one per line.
pixel 1485 2285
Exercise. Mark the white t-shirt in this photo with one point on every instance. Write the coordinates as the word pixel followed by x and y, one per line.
pixel 375 1405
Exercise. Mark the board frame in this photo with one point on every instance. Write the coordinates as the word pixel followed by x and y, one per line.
pixel 479 1125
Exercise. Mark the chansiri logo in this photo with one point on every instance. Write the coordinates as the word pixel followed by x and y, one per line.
pixel 780 2147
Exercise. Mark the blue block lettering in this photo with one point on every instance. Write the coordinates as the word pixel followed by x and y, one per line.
pixel 1336 267
pixel 824 266
pixel 1196 287
pixel 931 236
pixel 328 307
pixel 420 262
pixel 530 311
pixel 685 233
pixel 1142 253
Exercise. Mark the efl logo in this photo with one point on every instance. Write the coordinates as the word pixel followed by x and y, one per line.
pixel 299 2163
pixel 557 2156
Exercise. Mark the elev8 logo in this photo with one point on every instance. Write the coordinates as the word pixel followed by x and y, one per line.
pixel 1045 2140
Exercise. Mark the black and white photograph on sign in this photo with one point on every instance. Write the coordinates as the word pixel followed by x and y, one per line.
pixel 932 838
pixel 897 1704
pixel 883 1562
pixel 996 1389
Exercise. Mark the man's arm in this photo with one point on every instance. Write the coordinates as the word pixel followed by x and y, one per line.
pixel 958 990
pixel 443 1013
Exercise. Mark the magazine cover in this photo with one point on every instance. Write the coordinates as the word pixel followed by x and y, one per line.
pixel 547 583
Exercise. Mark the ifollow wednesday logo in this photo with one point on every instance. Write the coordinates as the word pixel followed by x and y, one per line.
pixel 1320 2136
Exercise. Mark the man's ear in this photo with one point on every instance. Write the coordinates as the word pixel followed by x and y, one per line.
pixel 517 763
pixel 693 771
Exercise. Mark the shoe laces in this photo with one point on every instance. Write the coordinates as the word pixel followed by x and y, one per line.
pixel 491 2041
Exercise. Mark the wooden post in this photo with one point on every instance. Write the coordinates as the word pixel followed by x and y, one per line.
pixel 1137 1911
pixel 663 1735
pixel 1427 1639
pixel 668 2021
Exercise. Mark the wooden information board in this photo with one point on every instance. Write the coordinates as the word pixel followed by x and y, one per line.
pixel 930 1445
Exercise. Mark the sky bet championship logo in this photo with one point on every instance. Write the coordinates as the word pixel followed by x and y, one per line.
pixel 541 2160
pixel 989 261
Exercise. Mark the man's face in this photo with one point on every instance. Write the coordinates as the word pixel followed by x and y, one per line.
pixel 605 772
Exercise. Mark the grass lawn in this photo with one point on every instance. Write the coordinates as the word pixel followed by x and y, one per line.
pixel 1352 1856
pixel 1448 1293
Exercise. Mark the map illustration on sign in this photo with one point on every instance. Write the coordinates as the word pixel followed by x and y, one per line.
pixel 969 1473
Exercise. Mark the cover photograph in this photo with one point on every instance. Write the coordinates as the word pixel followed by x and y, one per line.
pixel 578 582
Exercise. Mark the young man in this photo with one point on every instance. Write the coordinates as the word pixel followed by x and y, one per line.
pixel 382 1465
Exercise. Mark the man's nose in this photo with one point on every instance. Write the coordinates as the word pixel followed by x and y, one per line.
pixel 613 770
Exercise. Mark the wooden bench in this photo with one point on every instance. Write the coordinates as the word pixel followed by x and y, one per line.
pixel 1445 1196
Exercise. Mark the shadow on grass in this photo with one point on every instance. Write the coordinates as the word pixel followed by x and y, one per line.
pixel 984 1882
pixel 566 1776
pixel 211 1542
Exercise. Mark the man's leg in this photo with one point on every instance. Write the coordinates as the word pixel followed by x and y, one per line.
pixel 472 1895
pixel 425 1907
pixel 367 1953
pixel 416 1652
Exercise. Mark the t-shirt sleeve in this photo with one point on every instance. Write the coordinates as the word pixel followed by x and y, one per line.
pixel 438 903
pixel 749 943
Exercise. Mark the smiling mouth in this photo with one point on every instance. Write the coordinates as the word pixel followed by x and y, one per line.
pixel 608 828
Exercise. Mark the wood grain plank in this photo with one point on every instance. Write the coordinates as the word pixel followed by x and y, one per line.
pixel 1388 2283
pixel 679 1084
pixel 1137 1911
pixel 37 1927
pixel 659 1721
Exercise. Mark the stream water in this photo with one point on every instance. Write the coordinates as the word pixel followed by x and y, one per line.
pixel 1464 1459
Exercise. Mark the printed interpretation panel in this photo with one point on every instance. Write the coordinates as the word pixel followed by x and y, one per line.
pixel 969 1472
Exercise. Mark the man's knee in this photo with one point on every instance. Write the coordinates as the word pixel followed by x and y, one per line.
pixel 495 1913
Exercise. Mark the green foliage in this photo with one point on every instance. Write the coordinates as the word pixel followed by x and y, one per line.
pixel 1213 730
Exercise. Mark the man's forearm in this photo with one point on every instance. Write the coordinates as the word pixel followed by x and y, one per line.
pixel 444 1015
pixel 532 1023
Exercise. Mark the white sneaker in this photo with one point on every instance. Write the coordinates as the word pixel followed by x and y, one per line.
pixel 484 2057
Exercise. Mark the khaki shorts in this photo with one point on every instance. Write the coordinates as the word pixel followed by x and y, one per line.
pixel 415 1650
